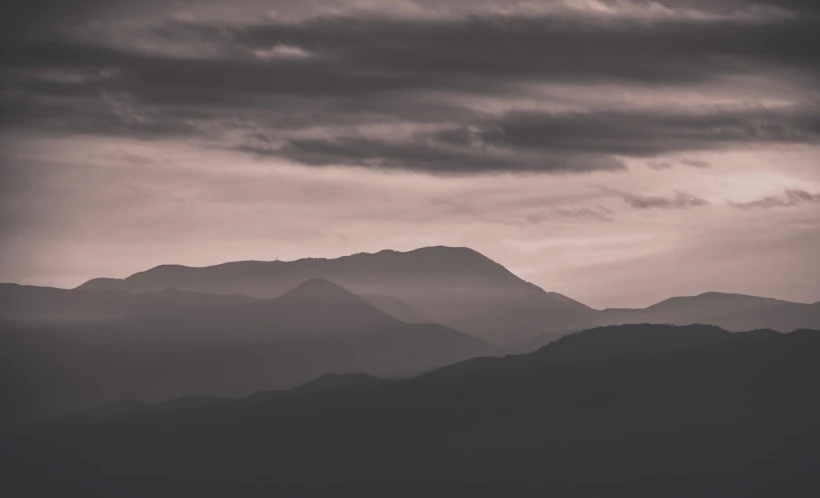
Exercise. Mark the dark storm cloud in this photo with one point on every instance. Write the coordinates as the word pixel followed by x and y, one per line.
pixel 531 141
pixel 264 81
pixel 647 133
pixel 425 153
pixel 554 49
pixel 728 6
pixel 24 16
pixel 789 197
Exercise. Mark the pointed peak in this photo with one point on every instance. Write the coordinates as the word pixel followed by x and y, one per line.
pixel 317 292
pixel 318 285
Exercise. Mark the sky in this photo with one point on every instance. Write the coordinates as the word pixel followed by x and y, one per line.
pixel 617 151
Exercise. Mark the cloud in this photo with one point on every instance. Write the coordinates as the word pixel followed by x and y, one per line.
pixel 789 197
pixel 551 142
pixel 282 52
pixel 679 200
pixel 311 88
pixel 424 153
pixel 596 213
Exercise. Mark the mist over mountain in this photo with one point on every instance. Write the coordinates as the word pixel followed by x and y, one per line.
pixel 397 309
pixel 233 350
pixel 176 331
pixel 462 289
pixel 47 305
pixel 632 410
pixel 453 286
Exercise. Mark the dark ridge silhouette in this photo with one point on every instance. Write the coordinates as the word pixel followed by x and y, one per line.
pixel 761 333
pixel 454 286
pixel 678 411
pixel 314 329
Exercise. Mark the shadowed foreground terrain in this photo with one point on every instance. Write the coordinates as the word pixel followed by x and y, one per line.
pixel 637 410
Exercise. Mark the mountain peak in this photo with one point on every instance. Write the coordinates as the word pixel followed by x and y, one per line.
pixel 312 285
pixel 319 303
pixel 320 290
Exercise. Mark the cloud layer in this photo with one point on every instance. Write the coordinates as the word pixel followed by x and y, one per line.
pixel 436 90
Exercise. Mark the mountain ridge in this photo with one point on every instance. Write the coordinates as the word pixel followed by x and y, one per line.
pixel 465 290
pixel 455 286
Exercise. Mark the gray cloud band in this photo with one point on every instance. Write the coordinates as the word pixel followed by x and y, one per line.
pixel 258 86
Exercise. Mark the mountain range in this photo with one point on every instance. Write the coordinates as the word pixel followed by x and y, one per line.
pixel 238 328
pixel 462 289
pixel 456 287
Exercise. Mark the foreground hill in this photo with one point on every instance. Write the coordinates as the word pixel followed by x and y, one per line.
pixel 454 286
pixel 692 411
pixel 314 329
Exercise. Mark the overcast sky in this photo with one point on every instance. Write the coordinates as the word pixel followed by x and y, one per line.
pixel 617 151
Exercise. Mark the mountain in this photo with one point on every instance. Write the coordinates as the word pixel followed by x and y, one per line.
pixel 462 289
pixel 453 286
pixel 674 411
pixel 47 305
pixel 733 312
pixel 314 329
pixel 314 308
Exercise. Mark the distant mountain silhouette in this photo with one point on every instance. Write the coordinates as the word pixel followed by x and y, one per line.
pixel 316 328
pixel 453 286
pixel 462 289
pixel 313 308
pixel 733 312
pixel 672 411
